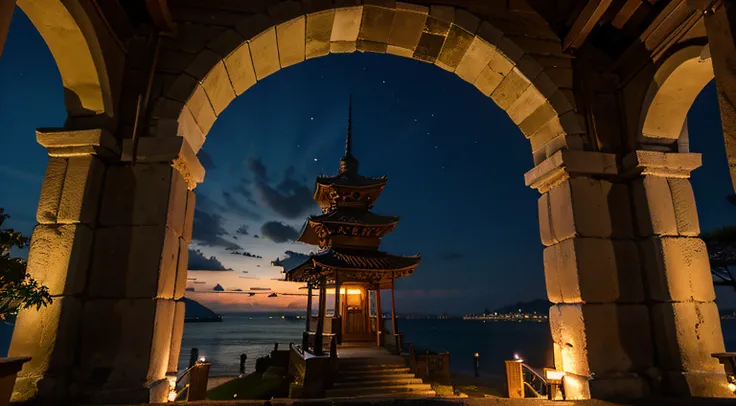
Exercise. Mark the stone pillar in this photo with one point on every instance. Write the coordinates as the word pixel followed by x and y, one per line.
pixel 379 317
pixel 394 325
pixel 599 320
pixel 685 321
pixel 720 23
pixel 111 245
pixel 318 350
pixel 6 14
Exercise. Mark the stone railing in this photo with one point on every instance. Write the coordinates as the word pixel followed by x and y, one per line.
pixel 430 366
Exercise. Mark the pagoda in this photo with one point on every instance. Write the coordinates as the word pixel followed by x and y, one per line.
pixel 349 264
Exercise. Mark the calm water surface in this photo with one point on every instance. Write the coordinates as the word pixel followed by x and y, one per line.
pixel 222 343
pixel 254 335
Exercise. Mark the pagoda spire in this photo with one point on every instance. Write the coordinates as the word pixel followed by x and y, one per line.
pixel 349 136
pixel 348 163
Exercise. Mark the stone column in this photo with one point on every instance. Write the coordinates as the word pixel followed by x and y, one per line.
pixel 379 317
pixel 318 350
pixel 112 247
pixel 394 325
pixel 599 320
pixel 720 23
pixel 6 14
pixel 685 321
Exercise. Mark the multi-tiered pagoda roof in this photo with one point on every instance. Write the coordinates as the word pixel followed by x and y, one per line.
pixel 348 232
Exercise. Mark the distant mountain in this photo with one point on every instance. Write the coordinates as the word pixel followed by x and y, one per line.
pixel 540 306
pixel 194 311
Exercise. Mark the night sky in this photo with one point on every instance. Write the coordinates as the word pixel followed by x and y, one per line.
pixel 454 160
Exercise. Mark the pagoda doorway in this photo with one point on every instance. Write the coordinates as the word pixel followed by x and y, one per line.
pixel 356 310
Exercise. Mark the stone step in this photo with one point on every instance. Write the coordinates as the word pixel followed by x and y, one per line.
pixel 378 390
pixel 390 396
pixel 377 382
pixel 363 378
pixel 359 365
pixel 381 371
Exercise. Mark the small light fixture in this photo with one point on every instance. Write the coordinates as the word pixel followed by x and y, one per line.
pixel 518 358
pixel 732 387
pixel 201 360
pixel 172 389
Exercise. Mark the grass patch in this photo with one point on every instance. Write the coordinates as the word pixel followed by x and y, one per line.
pixel 252 386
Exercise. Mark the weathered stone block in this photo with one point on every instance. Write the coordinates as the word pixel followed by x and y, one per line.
pixel 592 270
pixel 602 339
pixel 291 39
pixel 346 24
pixel 475 61
pixel 370 46
pixel 265 53
pixel 203 64
pixel 683 200
pixel 686 334
pixel 189 216
pixel 576 387
pixel 376 24
pixel 444 13
pixel 429 46
pixel 226 43
pixel 240 67
pixel 526 104
pixel 59 257
pixel 677 269
pixel 176 213
pixel 456 45
pixel 319 31
pixel 466 20
pixel 49 336
pixel 181 269
pixel 698 384
pixel 655 210
pixel 202 111
pixel 182 88
pixel 136 195
pixel 134 262
pixel 253 25
pixel 186 127
pixel 510 89
pixel 533 122
pixel 53 183
pixel 403 52
pixel 176 335
pixel 80 195
pixel 406 29
pixel 219 90
pixel 126 342
pixel 545 221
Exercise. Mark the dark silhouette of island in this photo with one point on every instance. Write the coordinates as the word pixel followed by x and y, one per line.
pixel 197 313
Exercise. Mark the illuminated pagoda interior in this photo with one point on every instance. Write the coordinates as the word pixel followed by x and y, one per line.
pixel 349 234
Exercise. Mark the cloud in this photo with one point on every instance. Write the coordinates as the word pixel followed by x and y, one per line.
pixel 242 230
pixel 206 160
pixel 198 262
pixel 451 256
pixel 239 208
pixel 257 168
pixel 278 232
pixel 291 260
pixel 242 189
pixel 208 231
pixel 290 198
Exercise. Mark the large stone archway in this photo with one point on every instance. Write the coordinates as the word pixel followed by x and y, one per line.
pixel 623 265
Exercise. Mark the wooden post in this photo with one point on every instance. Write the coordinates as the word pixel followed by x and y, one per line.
pixel 337 294
pixel 394 327
pixel 309 307
pixel 320 318
pixel 379 317
pixel 6 14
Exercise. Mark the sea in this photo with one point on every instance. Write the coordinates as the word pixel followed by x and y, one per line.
pixel 222 343
pixel 494 341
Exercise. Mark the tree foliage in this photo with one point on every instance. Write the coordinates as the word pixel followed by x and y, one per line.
pixel 721 244
pixel 17 289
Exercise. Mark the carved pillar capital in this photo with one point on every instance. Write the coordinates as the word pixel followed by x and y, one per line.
pixel 566 164
pixel 64 143
pixel 664 164
pixel 175 150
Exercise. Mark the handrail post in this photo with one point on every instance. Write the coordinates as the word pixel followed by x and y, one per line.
pixel 514 379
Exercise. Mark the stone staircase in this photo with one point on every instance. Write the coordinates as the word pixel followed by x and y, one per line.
pixel 370 377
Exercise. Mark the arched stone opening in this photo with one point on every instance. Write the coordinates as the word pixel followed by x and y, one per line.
pixel 72 35
pixel 119 256
pixel 452 39
pixel 675 85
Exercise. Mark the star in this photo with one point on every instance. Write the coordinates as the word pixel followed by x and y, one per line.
pixel 311 118
pixel 383 81
pixel 315 159
pixel 435 147
pixel 432 115
pixel 415 120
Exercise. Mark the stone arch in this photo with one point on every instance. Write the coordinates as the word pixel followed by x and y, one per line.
pixel 69 32
pixel 674 87
pixel 453 39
